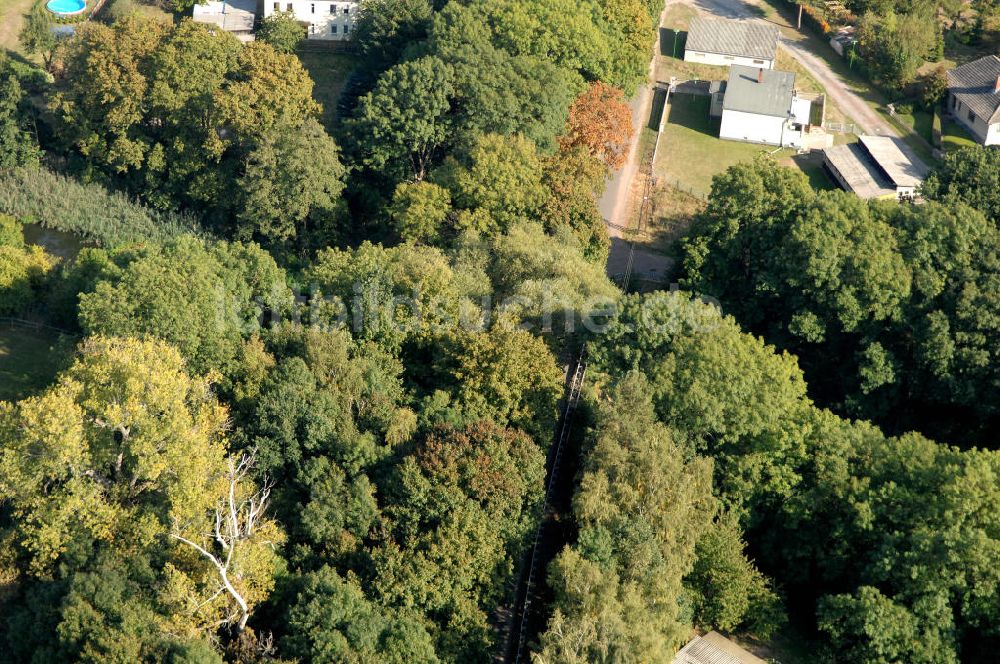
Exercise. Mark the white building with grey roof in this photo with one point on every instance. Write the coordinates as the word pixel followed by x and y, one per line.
pixel 727 42
pixel 974 98
pixel 762 106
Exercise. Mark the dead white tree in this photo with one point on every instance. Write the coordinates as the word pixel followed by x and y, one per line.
pixel 235 521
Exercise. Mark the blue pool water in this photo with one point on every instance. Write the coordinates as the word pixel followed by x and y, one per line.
pixel 65 6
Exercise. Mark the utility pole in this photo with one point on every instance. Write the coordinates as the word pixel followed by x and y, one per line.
pixel 800 17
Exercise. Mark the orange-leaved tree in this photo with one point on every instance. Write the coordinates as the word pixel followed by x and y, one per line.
pixel 601 121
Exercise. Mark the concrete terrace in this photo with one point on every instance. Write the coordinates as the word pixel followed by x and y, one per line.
pixel 236 16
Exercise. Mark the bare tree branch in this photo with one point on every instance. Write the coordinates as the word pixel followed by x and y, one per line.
pixel 234 521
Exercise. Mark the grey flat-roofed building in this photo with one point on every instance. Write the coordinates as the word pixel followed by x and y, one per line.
pixel 728 42
pixel 974 98
pixel 713 648
pixel 854 172
pixel 899 163
pixel 235 16
pixel 876 167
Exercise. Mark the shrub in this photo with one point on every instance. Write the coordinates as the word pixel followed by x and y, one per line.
pixel 88 210
pixel 22 275
pixel 117 9
pixel 936 129
pixel 815 20
pixel 282 31
pixel 934 87
pixel 11 233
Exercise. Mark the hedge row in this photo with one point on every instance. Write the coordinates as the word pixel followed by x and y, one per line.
pixel 89 210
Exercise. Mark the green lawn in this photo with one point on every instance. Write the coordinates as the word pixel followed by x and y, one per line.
pixel 672 213
pixel 29 359
pixel 919 122
pixel 329 71
pixel 679 16
pixel 916 131
pixel 115 9
pixel 12 14
pixel 954 136
pixel 691 152
pixel 811 165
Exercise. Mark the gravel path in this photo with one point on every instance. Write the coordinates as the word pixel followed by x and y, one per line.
pixel 840 92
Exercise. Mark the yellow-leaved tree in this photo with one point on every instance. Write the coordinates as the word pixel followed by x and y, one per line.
pixel 125 453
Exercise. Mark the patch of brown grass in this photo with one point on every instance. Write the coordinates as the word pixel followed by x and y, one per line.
pixel 672 214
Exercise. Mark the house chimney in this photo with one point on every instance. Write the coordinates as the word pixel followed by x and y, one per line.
pixel 760 76
pixel 996 86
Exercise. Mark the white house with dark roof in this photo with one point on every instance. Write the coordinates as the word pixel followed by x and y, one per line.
pixel 974 98
pixel 762 106
pixel 726 42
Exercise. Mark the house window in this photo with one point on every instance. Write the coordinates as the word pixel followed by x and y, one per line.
pixel 288 7
pixel 277 6
pixel 347 10
pixel 333 29
pixel 312 8
pixel 972 116
pixel 758 62
pixel 333 9
pixel 728 57
pixel 347 29
pixel 312 28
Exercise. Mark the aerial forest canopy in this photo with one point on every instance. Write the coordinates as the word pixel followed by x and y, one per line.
pixel 306 373
pixel 892 309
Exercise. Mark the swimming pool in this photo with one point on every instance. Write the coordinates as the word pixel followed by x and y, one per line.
pixel 66 6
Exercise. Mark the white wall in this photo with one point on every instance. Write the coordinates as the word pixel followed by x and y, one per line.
pixel 323 17
pixel 801 110
pixel 211 7
pixel 987 135
pixel 792 137
pixel 993 134
pixel 751 128
pixel 725 60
